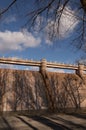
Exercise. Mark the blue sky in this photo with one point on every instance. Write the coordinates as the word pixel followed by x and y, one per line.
pixel 15 42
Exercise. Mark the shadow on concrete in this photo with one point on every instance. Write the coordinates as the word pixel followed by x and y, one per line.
pixel 51 124
pixel 78 115
pixel 70 123
pixel 8 125
pixel 48 122
pixel 34 128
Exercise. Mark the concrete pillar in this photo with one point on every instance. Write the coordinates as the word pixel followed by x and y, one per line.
pixel 80 70
pixel 43 65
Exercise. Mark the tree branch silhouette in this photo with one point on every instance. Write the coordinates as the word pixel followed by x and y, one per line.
pixel 50 13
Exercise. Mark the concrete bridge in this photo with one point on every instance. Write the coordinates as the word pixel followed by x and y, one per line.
pixel 43 64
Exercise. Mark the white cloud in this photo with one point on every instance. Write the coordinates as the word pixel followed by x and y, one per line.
pixel 33 68
pixel 49 42
pixel 82 61
pixel 56 70
pixel 60 70
pixel 68 22
pixel 9 19
pixel 17 40
pixel 9 66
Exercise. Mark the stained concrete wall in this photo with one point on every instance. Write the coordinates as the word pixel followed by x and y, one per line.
pixel 29 90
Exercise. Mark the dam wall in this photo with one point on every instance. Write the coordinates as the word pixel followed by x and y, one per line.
pixel 36 90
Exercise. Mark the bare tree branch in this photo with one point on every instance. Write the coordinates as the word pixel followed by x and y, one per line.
pixel 7 8
pixel 51 13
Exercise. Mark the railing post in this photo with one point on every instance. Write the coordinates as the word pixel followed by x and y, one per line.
pixel 80 70
pixel 43 65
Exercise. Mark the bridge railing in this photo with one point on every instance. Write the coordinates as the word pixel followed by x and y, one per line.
pixel 43 64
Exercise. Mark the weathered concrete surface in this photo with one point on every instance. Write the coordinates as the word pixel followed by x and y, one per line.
pixel 32 90
pixel 43 122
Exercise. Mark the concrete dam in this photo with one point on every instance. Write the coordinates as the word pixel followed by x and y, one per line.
pixel 37 90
